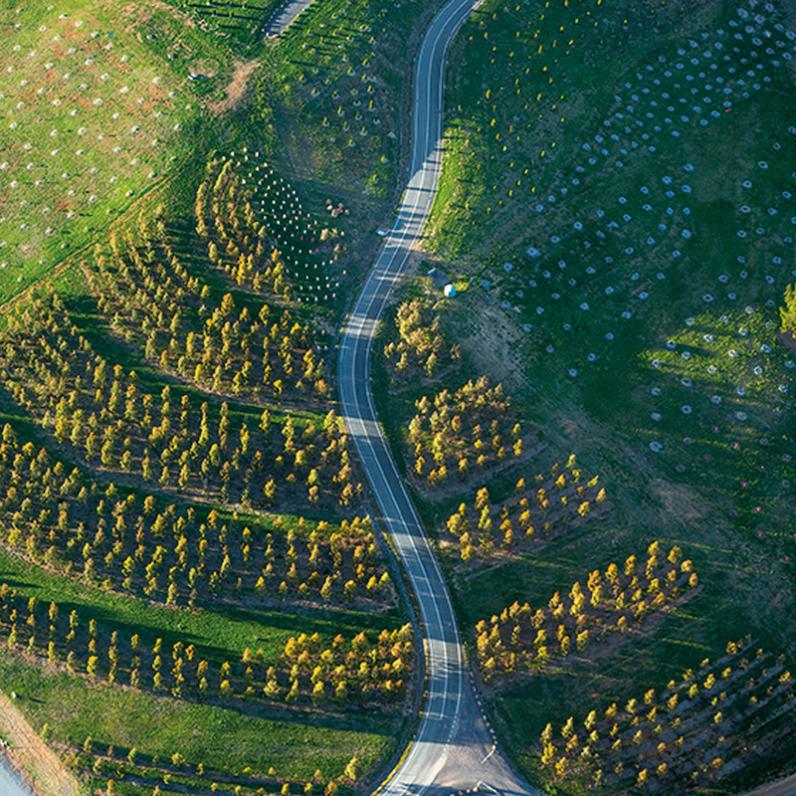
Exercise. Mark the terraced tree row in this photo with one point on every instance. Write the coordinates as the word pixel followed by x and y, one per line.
pixel 539 511
pixel 120 766
pixel 58 515
pixel 472 434
pixel 258 233
pixel 693 733
pixel 620 600
pixel 420 347
pixel 248 351
pixel 470 428
pixel 365 669
pixel 106 417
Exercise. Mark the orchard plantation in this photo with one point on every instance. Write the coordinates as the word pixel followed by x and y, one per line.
pixel 584 378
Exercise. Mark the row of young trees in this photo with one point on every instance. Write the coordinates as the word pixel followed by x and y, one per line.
pixel 361 670
pixel 134 480
pixel 372 669
pixel 158 775
pixel 420 346
pixel 619 600
pixel 236 241
pixel 456 432
pixel 111 421
pixel 539 510
pixel 57 515
pixel 787 312
pixel 693 733
pixel 204 337
pixel 257 232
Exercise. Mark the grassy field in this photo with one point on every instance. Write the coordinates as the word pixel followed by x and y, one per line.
pixel 103 118
pixel 294 745
pixel 98 110
pixel 633 163
pixel 232 746
pixel 526 82
pixel 637 189
pixel 219 634
pixel 333 95
pixel 239 23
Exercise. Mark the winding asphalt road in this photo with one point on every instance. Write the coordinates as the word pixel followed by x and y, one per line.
pixel 453 749
pixel 285 17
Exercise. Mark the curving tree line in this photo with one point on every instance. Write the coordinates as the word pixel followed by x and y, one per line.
pixel 619 600
pixel 257 232
pixel 110 421
pixel 538 511
pixel 152 301
pixel 57 515
pixel 357 670
pixel 694 732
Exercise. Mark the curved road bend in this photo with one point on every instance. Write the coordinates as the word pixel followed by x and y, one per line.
pixel 453 748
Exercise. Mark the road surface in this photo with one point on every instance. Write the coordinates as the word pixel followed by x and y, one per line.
pixel 453 748
pixel 782 787
pixel 10 782
pixel 285 17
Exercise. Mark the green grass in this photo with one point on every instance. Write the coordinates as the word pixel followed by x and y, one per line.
pixel 718 477
pixel 94 118
pixel 339 56
pixel 525 81
pixel 236 23
pixel 218 634
pixel 161 42
pixel 223 739
pixel 300 80
pixel 332 102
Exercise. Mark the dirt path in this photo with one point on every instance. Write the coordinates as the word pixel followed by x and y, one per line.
pixel 31 755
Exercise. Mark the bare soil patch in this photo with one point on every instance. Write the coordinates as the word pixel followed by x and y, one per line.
pixel 236 87
pixel 788 340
